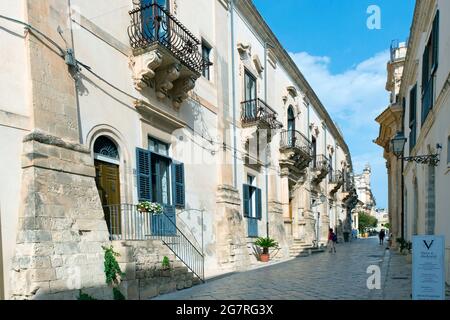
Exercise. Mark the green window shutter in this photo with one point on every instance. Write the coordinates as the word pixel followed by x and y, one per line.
pixel 246 191
pixel 178 184
pixel 143 174
pixel 435 42
pixel 258 200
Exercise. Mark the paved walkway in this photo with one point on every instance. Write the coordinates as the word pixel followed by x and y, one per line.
pixel 331 276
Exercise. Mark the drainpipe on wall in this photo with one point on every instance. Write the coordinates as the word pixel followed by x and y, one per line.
pixel 233 90
pixel 266 156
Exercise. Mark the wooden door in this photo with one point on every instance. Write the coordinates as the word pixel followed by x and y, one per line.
pixel 108 186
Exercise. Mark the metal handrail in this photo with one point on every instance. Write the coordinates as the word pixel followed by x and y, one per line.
pixel 255 110
pixel 125 222
pixel 295 139
pixel 154 24
pixel 321 162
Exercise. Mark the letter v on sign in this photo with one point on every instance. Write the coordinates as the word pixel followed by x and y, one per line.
pixel 428 245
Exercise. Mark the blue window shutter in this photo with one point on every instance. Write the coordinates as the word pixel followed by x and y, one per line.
pixel 178 184
pixel 435 42
pixel 246 198
pixel 258 204
pixel 143 174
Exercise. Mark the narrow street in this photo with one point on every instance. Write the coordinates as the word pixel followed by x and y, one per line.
pixel 325 276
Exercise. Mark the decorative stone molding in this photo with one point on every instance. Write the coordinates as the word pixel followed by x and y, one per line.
pixel 181 90
pixel 144 67
pixel 314 129
pixel 245 50
pixel 164 80
pixel 258 65
pixel 292 91
pixel 271 58
pixel 330 148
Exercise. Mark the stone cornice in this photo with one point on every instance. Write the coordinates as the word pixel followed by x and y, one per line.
pixel 45 138
pixel 257 22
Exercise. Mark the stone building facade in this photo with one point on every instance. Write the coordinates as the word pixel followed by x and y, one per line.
pixel 367 202
pixel 419 201
pixel 105 105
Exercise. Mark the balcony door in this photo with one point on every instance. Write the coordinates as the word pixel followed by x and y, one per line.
pixel 155 22
pixel 250 104
pixel 291 127
pixel 314 151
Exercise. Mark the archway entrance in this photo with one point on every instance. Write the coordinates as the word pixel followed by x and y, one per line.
pixel 107 178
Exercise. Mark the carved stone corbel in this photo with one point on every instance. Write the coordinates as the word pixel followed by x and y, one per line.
pixel 165 78
pixel 144 67
pixel 181 89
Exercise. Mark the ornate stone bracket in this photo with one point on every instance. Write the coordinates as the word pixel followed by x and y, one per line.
pixel 144 67
pixel 181 89
pixel 165 78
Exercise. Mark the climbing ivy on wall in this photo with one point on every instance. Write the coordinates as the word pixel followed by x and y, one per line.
pixel 113 272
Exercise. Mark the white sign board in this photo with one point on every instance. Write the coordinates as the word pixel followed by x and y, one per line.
pixel 428 282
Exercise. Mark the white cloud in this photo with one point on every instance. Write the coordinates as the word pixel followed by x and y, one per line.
pixel 352 97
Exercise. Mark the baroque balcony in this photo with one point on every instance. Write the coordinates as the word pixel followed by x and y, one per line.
pixel 321 167
pixel 257 113
pixel 336 181
pixel 258 121
pixel 166 54
pixel 295 151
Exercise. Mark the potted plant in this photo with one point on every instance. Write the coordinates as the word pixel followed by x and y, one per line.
pixel 265 244
pixel 151 207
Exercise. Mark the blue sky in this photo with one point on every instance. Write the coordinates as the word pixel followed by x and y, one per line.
pixel 345 63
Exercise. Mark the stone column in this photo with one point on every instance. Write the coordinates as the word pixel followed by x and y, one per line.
pixel 61 225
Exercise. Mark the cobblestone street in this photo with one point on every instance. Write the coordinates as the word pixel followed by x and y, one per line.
pixel 329 276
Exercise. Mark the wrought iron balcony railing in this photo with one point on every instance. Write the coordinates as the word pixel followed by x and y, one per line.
pixel 153 24
pixel 321 162
pixel 256 110
pixel 336 177
pixel 295 140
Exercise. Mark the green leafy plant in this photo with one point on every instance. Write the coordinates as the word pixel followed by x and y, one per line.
pixel 404 245
pixel 117 294
pixel 366 222
pixel 112 271
pixel 85 296
pixel 166 263
pixel 266 243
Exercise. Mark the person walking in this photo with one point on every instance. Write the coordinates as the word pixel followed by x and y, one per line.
pixel 381 235
pixel 332 239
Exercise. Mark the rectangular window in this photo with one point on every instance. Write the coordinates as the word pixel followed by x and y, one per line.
pixel 156 146
pixel 250 103
pixel 206 55
pixel 429 66
pixel 412 117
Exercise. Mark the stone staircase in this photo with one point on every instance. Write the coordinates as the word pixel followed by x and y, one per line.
pixel 300 248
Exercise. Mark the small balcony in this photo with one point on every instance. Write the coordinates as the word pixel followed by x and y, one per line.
pixel 336 181
pixel 257 113
pixel 167 55
pixel 295 149
pixel 321 167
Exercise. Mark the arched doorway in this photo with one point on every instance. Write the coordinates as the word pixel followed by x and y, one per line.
pixel 107 178
pixel 291 126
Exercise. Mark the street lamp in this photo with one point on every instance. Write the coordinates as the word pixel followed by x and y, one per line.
pixel 398 147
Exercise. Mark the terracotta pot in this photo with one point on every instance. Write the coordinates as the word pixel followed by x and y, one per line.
pixel 265 257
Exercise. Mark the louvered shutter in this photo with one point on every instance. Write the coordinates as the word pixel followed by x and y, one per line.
pixel 435 42
pixel 246 196
pixel 178 184
pixel 143 174
pixel 258 200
